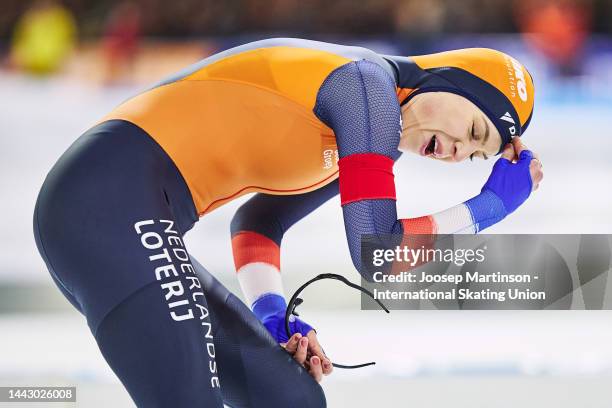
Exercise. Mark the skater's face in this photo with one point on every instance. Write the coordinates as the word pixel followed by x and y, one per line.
pixel 448 127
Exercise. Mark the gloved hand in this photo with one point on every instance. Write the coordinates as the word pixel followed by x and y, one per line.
pixel 270 310
pixel 508 186
pixel 511 182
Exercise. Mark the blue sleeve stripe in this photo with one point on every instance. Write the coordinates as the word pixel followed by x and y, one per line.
pixel 268 304
pixel 486 209
pixel 474 221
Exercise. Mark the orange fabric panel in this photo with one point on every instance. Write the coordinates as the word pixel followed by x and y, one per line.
pixel 235 139
pixel 249 247
pixel 296 73
pixel 243 124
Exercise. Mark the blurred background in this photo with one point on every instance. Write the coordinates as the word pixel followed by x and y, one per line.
pixel 64 64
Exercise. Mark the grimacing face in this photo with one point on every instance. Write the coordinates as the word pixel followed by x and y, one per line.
pixel 447 127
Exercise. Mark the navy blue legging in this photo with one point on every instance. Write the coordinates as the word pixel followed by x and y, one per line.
pixel 109 223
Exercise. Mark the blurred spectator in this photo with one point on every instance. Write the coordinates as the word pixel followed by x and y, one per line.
pixel 180 18
pixel 43 38
pixel 418 24
pixel 478 16
pixel 556 28
pixel 419 17
pixel 120 41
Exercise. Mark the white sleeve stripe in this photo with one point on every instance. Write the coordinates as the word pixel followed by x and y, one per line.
pixel 259 278
pixel 457 219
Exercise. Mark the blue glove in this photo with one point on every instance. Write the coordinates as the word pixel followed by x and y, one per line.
pixel 508 186
pixel 270 310
pixel 511 182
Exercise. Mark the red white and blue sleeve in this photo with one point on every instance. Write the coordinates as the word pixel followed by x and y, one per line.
pixel 359 102
pixel 257 230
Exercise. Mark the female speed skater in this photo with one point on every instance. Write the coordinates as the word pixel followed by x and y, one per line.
pixel 296 122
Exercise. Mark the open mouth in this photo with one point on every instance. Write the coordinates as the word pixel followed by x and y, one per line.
pixel 431 146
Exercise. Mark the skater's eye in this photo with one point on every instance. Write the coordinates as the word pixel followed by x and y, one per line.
pixel 476 136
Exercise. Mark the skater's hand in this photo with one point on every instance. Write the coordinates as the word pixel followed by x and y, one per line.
pixel 307 351
pixel 535 165
pixel 514 176
pixel 512 153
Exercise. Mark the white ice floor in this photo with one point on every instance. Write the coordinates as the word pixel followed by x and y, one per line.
pixel 426 359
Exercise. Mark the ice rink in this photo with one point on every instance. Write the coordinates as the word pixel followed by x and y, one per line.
pixel 425 359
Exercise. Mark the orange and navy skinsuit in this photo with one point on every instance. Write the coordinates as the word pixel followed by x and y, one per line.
pixel 276 116
pixel 295 121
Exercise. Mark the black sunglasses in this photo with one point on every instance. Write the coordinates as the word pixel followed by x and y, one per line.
pixel 296 301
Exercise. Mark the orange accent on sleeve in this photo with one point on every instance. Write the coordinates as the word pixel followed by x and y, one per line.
pixel 249 247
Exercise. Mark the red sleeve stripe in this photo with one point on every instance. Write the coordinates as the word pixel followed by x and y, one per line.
pixel 420 225
pixel 249 247
pixel 418 233
pixel 366 176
